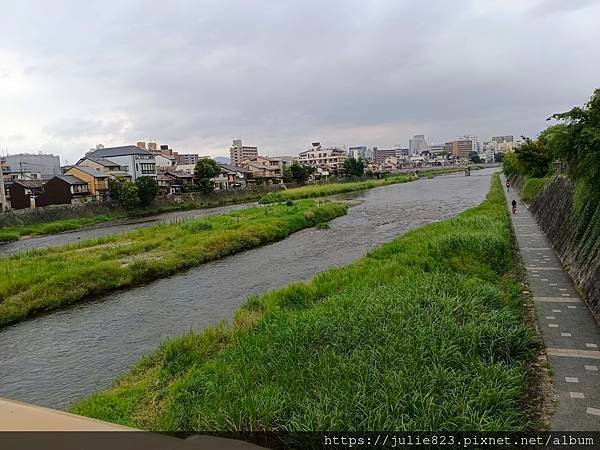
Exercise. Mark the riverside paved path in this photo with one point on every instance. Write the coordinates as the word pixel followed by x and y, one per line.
pixel 570 333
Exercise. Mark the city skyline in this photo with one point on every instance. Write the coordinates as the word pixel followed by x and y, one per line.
pixel 283 75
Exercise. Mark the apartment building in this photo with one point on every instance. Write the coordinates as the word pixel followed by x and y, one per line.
pixel 329 158
pixel 417 145
pixel 239 152
pixel 461 148
pixel 380 154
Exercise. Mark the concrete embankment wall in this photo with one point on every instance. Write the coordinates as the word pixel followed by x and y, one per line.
pixel 573 228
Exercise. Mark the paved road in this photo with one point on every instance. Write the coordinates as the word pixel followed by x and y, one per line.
pixel 570 333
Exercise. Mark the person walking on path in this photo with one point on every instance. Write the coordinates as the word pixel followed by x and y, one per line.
pixel 514 206
pixel 507 186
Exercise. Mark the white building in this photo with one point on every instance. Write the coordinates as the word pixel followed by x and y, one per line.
pixel 327 158
pixel 489 150
pixel 136 161
pixel 417 145
pixel 165 161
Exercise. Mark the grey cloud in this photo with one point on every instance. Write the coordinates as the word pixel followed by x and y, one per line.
pixel 78 127
pixel 280 74
pixel 546 7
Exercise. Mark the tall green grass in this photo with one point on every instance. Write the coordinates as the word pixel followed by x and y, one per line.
pixel 42 280
pixel 321 190
pixel 532 187
pixel 13 233
pixel 424 333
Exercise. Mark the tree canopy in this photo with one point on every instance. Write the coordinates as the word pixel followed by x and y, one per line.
pixel 147 190
pixel 125 193
pixel 354 167
pixel 297 172
pixel 574 140
pixel 205 170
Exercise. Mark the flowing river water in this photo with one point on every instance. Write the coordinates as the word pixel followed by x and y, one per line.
pixel 55 359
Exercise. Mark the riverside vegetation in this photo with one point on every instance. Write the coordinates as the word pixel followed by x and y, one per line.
pixel 14 232
pixel 322 190
pixel 424 333
pixel 43 280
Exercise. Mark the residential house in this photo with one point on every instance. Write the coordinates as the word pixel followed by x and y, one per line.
pixel 97 181
pixel 23 193
pixel 64 190
pixel 111 168
pixel 264 170
pixel 242 176
pixel 136 161
pixel 174 181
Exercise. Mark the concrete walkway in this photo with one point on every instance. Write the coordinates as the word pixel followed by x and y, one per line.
pixel 570 333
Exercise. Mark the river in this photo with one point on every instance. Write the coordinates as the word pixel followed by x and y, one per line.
pixel 55 359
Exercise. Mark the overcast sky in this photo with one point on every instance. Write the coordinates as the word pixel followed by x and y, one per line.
pixel 283 73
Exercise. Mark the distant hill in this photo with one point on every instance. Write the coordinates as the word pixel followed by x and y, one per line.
pixel 222 159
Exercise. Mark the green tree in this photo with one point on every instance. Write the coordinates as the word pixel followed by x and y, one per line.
pixel 474 157
pixel 147 190
pixel 125 193
pixel 354 167
pixel 533 158
pixel 205 170
pixel 300 173
pixel 576 140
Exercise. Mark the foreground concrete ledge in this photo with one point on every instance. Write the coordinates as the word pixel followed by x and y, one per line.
pixel 18 416
pixel 25 426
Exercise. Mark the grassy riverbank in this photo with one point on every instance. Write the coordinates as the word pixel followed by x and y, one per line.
pixel 40 227
pixel 43 280
pixel 424 333
pixel 321 190
pixel 326 189
pixel 8 234
pixel 12 232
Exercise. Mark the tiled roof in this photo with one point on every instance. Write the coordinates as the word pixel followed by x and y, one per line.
pixel 71 179
pixel 93 172
pixel 30 183
pixel 117 151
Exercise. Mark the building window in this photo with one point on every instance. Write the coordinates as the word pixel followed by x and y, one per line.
pixel 148 168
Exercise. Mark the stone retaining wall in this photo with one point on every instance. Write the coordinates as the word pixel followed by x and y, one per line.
pixel 574 233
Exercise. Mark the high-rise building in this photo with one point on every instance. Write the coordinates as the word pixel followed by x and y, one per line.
pixel 504 144
pixel 358 152
pixel 380 154
pixel 461 148
pixel 239 152
pixel 475 140
pixel 417 145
